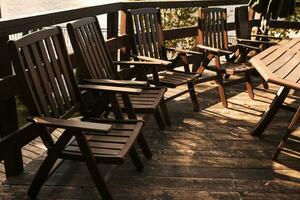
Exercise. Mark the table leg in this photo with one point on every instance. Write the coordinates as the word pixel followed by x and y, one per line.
pixel 270 113
pixel 287 134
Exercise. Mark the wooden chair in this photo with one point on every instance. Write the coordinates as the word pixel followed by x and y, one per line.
pixel 97 67
pixel 250 44
pixel 52 95
pixel 144 27
pixel 212 40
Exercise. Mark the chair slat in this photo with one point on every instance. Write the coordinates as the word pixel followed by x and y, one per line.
pixel 57 72
pixel 138 33
pixel 52 77
pixel 214 27
pixel 224 32
pixel 40 66
pixel 154 35
pixel 148 30
pixel 36 83
pixel 65 74
pixel 89 46
pixel 144 34
pixel 108 65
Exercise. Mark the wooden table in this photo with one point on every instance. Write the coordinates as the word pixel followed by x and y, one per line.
pixel 279 64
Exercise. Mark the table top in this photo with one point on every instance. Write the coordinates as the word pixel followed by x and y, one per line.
pixel 280 64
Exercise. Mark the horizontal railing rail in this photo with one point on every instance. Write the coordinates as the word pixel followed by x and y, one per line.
pixel 20 24
pixel 8 83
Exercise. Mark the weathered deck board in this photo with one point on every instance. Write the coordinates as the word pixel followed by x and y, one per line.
pixel 204 155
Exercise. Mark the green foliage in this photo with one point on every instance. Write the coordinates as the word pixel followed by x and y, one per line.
pixel 286 32
pixel 178 18
pixel 22 112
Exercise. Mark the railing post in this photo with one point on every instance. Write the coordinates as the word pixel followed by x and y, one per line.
pixel 8 118
pixel 112 28
pixel 125 51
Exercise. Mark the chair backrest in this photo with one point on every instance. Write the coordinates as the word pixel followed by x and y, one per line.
pixel 45 74
pixel 146 29
pixel 212 28
pixel 247 21
pixel 242 26
pixel 90 49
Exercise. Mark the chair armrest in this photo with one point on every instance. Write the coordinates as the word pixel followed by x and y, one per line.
pixel 266 36
pixel 119 121
pixel 214 50
pixel 247 46
pixel 111 82
pixel 136 63
pixel 154 60
pixel 71 124
pixel 105 88
pixel 255 41
pixel 183 51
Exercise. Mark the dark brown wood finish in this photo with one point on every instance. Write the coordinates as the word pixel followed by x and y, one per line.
pixel 247 48
pixel 212 40
pixel 8 116
pixel 36 21
pixel 244 26
pixel 51 93
pixel 145 29
pixel 97 66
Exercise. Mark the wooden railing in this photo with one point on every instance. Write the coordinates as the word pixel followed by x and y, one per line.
pixel 13 138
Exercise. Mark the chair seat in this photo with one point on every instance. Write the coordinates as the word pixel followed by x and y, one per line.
pixel 231 68
pixel 173 79
pixel 109 147
pixel 147 101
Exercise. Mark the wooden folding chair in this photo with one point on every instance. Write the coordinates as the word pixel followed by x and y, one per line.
pixel 52 95
pixel 97 67
pixel 144 27
pixel 212 40
pixel 244 23
pixel 250 44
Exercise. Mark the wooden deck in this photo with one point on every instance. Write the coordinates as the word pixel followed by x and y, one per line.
pixel 204 155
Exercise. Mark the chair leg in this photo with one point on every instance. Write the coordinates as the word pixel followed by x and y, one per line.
pixel 222 90
pixel 144 146
pixel 165 112
pixel 136 159
pixel 281 144
pixel 265 83
pixel 92 167
pixel 47 165
pixel 193 96
pixel 159 119
pixel 220 82
pixel 249 85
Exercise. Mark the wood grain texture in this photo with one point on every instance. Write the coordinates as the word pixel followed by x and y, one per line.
pixel 207 155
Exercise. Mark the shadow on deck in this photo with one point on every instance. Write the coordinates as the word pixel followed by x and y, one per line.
pixel 204 155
